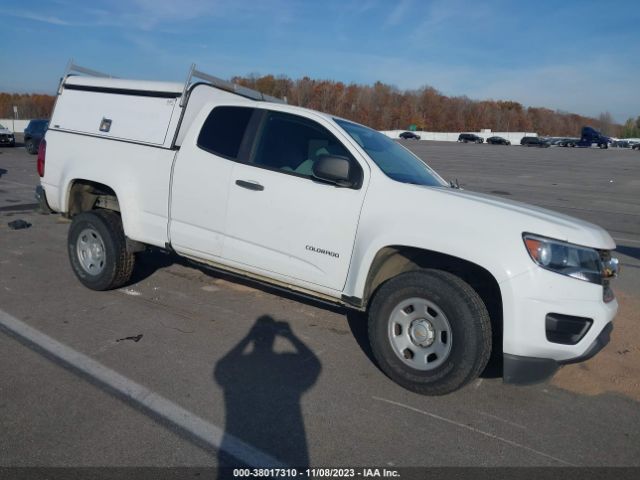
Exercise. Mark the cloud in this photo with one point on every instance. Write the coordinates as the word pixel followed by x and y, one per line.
pixel 52 20
pixel 398 13
pixel 602 84
pixel 151 15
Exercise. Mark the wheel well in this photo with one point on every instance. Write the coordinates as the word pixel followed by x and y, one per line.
pixel 392 261
pixel 85 195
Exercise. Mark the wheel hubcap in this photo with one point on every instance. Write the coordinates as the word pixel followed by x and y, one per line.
pixel 420 334
pixel 90 251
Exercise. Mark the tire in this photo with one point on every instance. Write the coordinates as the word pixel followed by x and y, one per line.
pixel 30 147
pixel 453 358
pixel 97 250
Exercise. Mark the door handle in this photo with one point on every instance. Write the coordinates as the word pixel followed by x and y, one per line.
pixel 250 185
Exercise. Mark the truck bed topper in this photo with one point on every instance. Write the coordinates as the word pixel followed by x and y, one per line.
pixel 147 112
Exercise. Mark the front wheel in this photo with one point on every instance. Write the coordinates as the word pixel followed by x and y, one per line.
pixel 97 250
pixel 429 331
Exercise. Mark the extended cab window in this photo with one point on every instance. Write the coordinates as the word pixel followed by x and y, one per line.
pixel 292 144
pixel 224 129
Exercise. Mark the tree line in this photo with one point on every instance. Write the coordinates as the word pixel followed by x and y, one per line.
pixel 385 107
pixel 631 128
pixel 30 105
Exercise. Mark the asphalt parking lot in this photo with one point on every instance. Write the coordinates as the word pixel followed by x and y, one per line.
pixel 314 397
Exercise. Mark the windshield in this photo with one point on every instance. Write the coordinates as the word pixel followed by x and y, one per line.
pixel 395 161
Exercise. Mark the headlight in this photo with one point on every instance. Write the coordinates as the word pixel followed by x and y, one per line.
pixel 564 258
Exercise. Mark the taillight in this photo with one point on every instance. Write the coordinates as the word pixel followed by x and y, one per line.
pixel 42 152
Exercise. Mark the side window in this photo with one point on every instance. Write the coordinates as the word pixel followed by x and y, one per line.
pixel 292 144
pixel 224 129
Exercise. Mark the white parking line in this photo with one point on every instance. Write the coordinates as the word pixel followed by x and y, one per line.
pixel 208 433
pixel 475 430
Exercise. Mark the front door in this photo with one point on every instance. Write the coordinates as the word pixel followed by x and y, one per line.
pixel 280 219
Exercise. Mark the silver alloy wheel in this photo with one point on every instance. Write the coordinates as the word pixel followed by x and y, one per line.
pixel 420 334
pixel 90 251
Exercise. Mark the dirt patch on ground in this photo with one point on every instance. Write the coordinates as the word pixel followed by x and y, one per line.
pixel 617 368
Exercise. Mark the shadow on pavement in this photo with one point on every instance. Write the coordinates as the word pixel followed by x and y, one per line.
pixel 262 391
pixel 149 262
pixel 358 325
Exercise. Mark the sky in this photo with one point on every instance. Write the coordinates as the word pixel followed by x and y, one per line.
pixel 579 56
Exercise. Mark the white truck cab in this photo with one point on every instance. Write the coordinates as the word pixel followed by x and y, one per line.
pixel 327 208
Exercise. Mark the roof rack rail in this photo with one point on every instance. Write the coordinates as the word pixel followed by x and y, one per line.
pixel 193 73
pixel 224 85
pixel 73 67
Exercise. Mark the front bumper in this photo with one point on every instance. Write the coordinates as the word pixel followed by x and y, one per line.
pixel 532 350
pixel 521 370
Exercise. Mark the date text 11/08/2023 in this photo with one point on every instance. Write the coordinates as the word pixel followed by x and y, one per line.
pixel 315 472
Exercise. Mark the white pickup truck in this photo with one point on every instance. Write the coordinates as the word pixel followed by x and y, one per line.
pixel 326 208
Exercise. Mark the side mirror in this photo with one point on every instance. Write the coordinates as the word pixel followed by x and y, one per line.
pixel 337 170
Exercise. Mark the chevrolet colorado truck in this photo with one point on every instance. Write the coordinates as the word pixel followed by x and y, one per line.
pixel 326 208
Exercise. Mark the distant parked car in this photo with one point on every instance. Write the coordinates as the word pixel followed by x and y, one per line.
pixel 535 142
pixel 498 141
pixel 568 142
pixel 408 135
pixel 470 137
pixel 625 143
pixel 33 134
pixel 7 137
pixel 621 144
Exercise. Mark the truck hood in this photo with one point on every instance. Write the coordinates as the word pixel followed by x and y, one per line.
pixel 532 219
pixel 5 131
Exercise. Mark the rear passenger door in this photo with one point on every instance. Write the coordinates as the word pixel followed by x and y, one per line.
pixel 281 221
pixel 201 178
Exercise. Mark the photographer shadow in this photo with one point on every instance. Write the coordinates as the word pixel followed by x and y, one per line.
pixel 262 392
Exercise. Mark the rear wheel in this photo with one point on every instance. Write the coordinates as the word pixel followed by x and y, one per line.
pixel 429 331
pixel 97 250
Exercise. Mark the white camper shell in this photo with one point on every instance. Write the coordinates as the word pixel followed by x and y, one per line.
pixel 145 112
